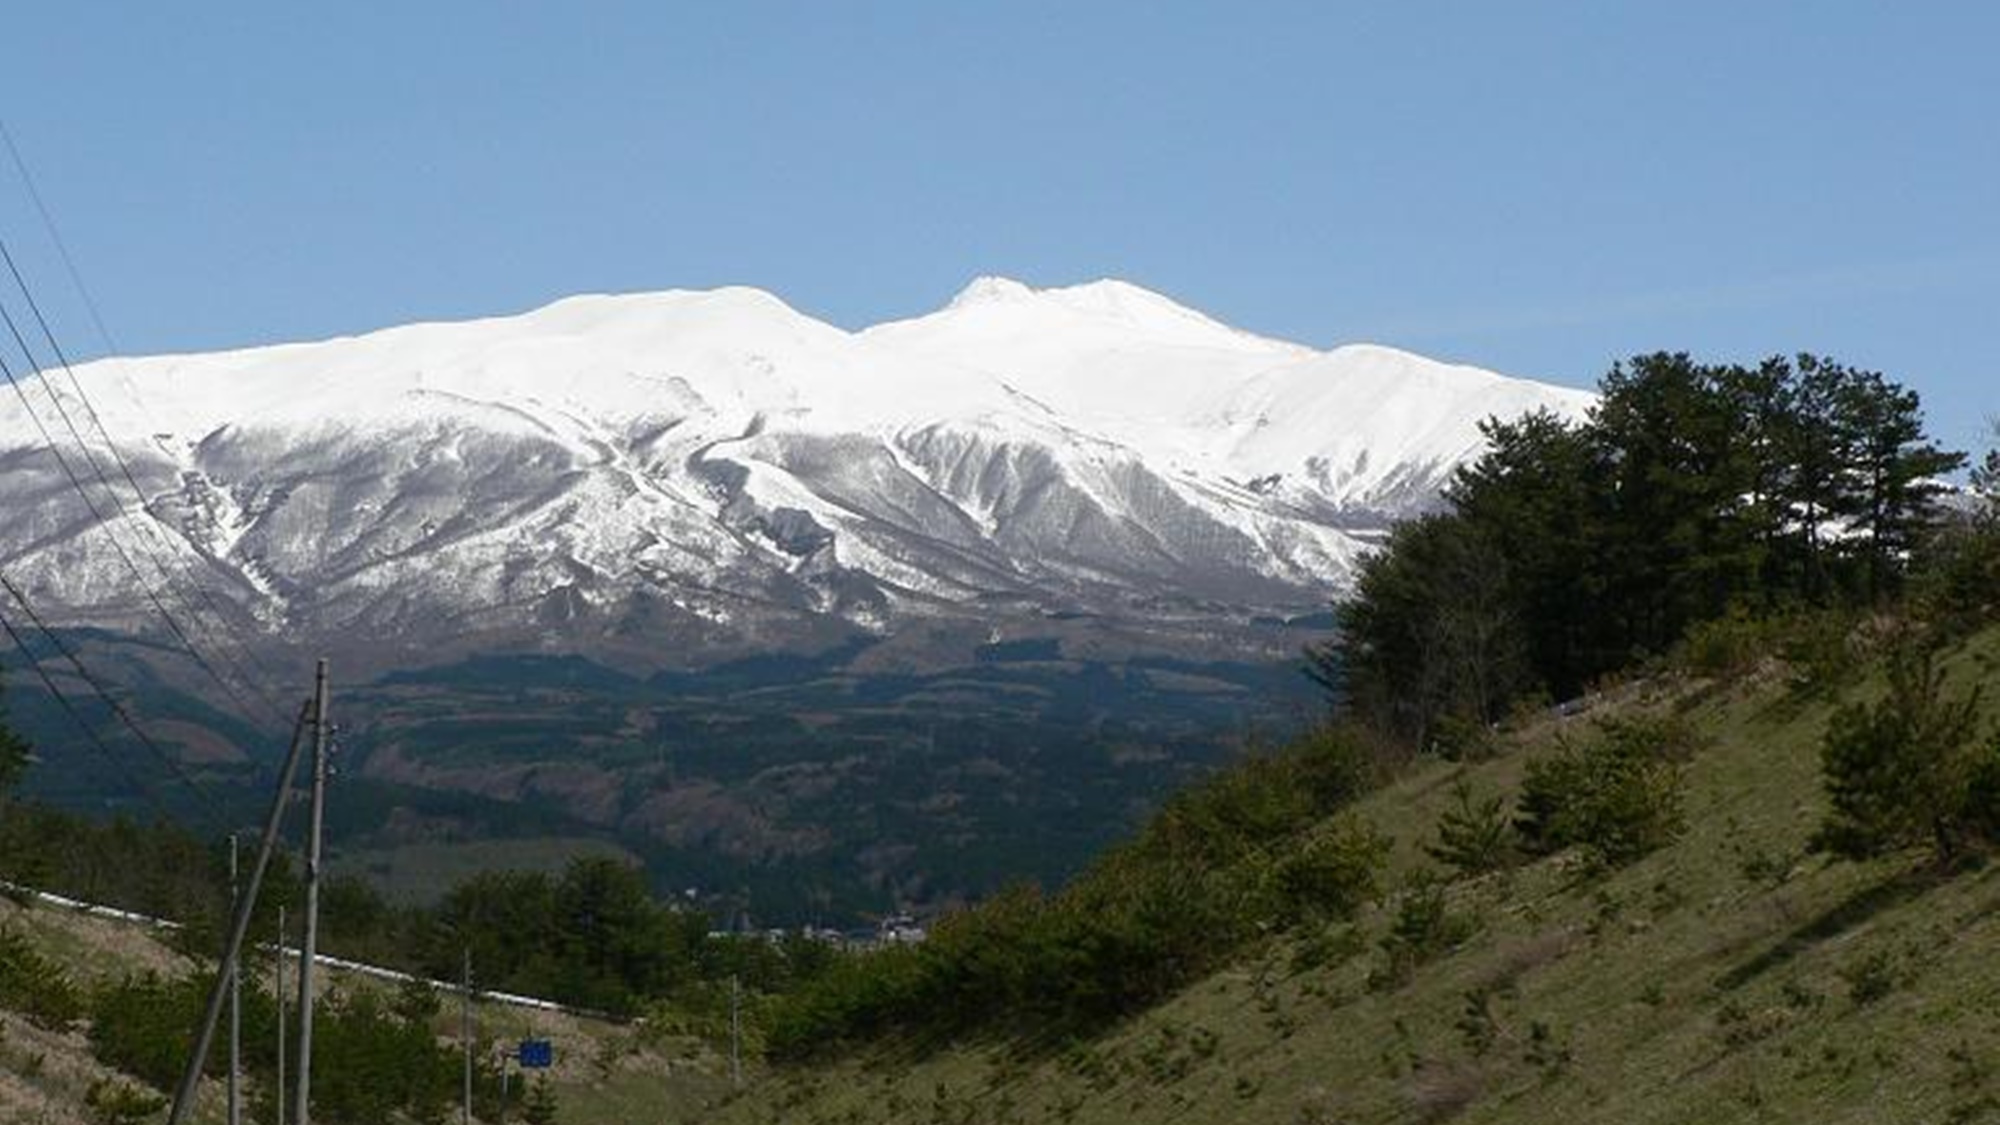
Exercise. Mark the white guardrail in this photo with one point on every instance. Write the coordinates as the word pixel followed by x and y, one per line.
pixel 378 972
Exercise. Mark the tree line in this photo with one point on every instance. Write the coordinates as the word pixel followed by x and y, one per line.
pixel 1572 549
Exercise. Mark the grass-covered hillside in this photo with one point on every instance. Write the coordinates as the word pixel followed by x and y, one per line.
pixel 1683 956
pixel 1721 971
pixel 70 983
pixel 1746 872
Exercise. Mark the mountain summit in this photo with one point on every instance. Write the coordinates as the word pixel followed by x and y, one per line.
pixel 712 473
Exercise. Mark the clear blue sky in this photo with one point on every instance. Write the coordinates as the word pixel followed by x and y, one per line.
pixel 1537 188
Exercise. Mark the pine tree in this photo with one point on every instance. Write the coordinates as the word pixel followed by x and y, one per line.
pixel 1905 772
pixel 13 750
pixel 1474 835
pixel 1535 498
pixel 539 1108
pixel 1897 473
pixel 1985 479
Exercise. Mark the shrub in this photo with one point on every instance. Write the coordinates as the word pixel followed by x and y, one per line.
pixel 1332 872
pixel 1327 948
pixel 1219 865
pixel 539 1108
pixel 118 1103
pixel 1870 978
pixel 1726 646
pixel 1959 589
pixel 377 1064
pixel 1616 794
pixel 1823 650
pixel 1242 810
pixel 1424 928
pixel 373 1065
pixel 1458 739
pixel 1908 770
pixel 144 1026
pixel 1473 835
pixel 35 986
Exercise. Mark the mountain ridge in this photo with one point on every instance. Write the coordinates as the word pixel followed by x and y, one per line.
pixel 710 462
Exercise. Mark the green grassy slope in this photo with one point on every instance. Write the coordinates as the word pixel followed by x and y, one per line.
pixel 1729 977
pixel 604 1072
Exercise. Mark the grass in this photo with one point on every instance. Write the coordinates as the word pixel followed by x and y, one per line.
pixel 1729 977
pixel 604 1072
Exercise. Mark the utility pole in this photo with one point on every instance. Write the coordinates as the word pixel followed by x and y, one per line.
pixel 302 1092
pixel 735 1032
pixel 465 1028
pixel 231 955
pixel 235 1006
pixel 280 993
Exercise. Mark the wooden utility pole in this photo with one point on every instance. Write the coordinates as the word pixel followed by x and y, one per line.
pixel 280 994
pixel 232 950
pixel 735 1031
pixel 235 1007
pixel 465 1028
pixel 302 1091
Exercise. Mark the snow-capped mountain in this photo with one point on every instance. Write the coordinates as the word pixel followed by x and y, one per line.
pixel 701 474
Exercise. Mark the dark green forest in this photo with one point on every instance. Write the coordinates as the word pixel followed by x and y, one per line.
pixel 1572 551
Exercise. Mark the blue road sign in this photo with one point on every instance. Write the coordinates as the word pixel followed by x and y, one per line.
pixel 536 1054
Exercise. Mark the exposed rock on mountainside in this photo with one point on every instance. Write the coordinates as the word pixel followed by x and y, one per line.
pixel 683 477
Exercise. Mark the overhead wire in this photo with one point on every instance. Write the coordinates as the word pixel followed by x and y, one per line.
pixel 141 528
pixel 89 729
pixel 55 236
pixel 148 534
pixel 271 707
pixel 76 482
pixel 205 801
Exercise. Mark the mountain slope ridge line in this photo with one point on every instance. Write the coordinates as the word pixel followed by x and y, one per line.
pixel 601 464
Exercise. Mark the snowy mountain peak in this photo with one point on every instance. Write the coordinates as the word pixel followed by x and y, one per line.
pixel 1133 304
pixel 717 467
pixel 1005 301
pixel 988 289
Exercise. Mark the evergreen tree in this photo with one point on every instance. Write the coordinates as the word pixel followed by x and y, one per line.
pixel 1535 499
pixel 1692 491
pixel 1681 546
pixel 1762 401
pixel 539 1108
pixel 13 749
pixel 1434 632
pixel 1906 771
pixel 1985 478
pixel 1896 471
pixel 1819 449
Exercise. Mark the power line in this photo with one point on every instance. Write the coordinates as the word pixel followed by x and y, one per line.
pixel 88 729
pixel 55 236
pixel 209 809
pixel 117 505
pixel 271 706
pixel 148 538
pixel 76 482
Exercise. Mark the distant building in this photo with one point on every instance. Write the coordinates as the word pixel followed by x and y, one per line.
pixel 900 929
